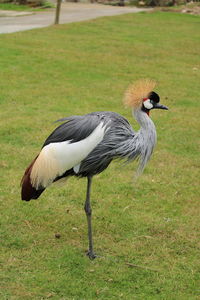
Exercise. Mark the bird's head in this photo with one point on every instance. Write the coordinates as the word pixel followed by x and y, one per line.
pixel 141 96
pixel 151 102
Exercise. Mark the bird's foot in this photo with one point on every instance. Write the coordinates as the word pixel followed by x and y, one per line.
pixel 91 255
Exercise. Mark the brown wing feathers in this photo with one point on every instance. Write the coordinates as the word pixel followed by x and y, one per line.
pixel 28 192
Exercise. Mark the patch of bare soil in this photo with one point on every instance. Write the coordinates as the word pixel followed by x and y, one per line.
pixel 191 8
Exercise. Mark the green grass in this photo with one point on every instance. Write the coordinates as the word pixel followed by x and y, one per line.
pixel 12 6
pixel 17 7
pixel 62 70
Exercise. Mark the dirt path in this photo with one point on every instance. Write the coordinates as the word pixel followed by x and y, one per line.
pixel 70 12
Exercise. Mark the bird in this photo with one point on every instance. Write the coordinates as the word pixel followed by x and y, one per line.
pixel 85 145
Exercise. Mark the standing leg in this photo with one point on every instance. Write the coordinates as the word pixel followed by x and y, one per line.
pixel 88 212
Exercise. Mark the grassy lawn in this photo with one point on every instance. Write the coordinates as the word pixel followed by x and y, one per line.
pixel 16 7
pixel 50 73
pixel 11 6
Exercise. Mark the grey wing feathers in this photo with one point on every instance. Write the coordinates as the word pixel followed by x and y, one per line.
pixel 75 128
pixel 120 140
pixel 117 143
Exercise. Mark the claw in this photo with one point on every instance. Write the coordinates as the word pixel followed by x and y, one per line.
pixel 91 255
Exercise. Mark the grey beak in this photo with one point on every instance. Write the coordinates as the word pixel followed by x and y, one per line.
pixel 160 106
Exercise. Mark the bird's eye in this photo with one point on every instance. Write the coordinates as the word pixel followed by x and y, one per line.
pixel 147 104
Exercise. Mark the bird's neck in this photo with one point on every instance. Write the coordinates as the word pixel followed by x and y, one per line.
pixel 144 120
pixel 146 136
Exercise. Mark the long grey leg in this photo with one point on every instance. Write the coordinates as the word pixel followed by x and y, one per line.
pixel 88 212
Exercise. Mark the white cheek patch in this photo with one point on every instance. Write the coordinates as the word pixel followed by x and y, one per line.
pixel 147 104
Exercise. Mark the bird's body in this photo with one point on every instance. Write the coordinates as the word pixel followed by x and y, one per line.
pixel 84 146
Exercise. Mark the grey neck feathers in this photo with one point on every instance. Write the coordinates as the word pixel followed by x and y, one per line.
pixel 146 138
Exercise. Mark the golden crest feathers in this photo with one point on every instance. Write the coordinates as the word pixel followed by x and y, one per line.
pixel 138 91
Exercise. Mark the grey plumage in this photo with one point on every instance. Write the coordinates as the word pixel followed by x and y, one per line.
pixel 84 146
pixel 120 140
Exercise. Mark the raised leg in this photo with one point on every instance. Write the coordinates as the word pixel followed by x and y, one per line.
pixel 88 212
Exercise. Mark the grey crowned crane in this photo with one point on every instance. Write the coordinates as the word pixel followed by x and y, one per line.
pixel 84 146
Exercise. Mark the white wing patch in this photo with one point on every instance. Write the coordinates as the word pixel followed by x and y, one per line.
pixel 76 168
pixel 56 158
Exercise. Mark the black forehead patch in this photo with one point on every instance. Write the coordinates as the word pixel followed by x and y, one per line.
pixel 154 96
